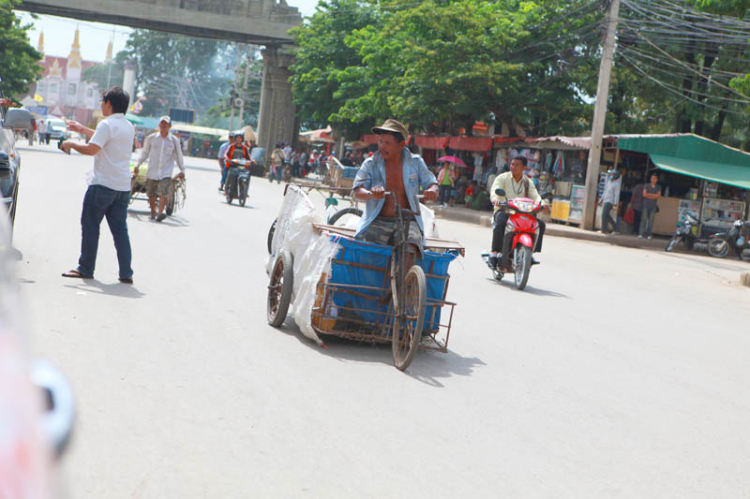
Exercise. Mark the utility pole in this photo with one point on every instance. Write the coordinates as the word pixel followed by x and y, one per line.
pixel 244 85
pixel 234 89
pixel 600 114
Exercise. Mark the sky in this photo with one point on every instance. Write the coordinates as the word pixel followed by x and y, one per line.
pixel 59 33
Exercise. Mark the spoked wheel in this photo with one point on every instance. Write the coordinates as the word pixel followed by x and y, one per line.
pixel 522 256
pixel 280 289
pixel 718 247
pixel 673 242
pixel 407 334
pixel 270 236
pixel 343 217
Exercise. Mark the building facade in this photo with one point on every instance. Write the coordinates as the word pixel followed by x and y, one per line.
pixel 61 90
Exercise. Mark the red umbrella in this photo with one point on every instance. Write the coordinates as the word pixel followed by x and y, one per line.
pixel 452 159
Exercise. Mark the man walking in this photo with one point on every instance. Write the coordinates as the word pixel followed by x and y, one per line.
pixel 162 151
pixel 277 164
pixel 109 191
pixel 609 199
pixel 651 195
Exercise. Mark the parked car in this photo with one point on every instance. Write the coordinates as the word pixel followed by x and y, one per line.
pixel 37 407
pixel 56 128
pixel 10 159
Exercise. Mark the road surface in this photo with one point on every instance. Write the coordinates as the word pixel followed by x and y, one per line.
pixel 617 373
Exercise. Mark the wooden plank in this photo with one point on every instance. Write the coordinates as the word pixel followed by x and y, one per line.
pixel 432 243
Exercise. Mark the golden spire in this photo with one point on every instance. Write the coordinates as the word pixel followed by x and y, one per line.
pixel 74 59
pixel 40 47
pixel 109 52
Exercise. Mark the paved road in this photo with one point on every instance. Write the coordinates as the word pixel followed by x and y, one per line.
pixel 618 373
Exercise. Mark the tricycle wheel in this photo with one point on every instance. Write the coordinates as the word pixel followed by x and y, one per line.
pixel 408 334
pixel 270 236
pixel 280 289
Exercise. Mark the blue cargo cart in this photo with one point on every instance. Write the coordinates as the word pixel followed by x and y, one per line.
pixel 354 298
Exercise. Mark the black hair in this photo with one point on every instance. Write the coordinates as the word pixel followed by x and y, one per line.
pixel 119 99
pixel 399 137
pixel 522 159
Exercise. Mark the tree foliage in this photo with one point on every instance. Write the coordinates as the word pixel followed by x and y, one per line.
pixel 20 61
pixel 442 65
pixel 177 71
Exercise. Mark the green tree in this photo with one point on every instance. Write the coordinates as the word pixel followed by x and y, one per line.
pixel 177 71
pixel 111 72
pixel 20 60
pixel 322 57
pixel 441 65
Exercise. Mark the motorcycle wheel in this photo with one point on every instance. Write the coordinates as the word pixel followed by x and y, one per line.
pixel 718 247
pixel 672 243
pixel 228 194
pixel 243 194
pixel 522 256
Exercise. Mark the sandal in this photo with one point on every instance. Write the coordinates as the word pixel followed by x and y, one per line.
pixel 75 274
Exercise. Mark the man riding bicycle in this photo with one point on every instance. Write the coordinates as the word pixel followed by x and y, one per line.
pixel 393 169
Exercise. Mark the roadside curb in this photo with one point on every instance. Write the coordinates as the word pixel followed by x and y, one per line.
pixel 553 229
pixel 745 279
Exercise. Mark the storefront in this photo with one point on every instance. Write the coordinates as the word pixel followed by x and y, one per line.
pixel 697 175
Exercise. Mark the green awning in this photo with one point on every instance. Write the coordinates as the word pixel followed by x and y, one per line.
pixel 134 119
pixel 693 156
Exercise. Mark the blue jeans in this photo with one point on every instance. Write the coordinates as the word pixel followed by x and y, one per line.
pixel 99 202
pixel 224 172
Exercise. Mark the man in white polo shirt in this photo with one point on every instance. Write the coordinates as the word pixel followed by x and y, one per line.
pixel 162 151
pixel 109 190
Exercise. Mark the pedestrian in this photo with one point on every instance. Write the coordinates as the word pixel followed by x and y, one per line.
pixel 446 180
pixel 636 202
pixel 42 130
pixel 287 155
pixel 651 195
pixel 222 164
pixel 32 132
pixel 162 150
pixel 303 163
pixel 609 199
pixel 108 193
pixel 295 164
pixel 471 191
pixel 277 163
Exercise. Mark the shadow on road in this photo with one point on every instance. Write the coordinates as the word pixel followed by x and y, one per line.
pixel 118 289
pixel 428 367
pixel 529 289
pixel 145 216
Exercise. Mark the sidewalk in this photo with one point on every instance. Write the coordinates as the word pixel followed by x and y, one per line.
pixel 466 215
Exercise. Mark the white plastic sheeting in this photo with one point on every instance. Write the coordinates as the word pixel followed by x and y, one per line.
pixel 311 253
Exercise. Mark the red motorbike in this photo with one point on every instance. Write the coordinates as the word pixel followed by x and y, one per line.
pixel 523 224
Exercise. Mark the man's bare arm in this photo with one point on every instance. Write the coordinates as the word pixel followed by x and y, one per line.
pixel 74 126
pixel 87 149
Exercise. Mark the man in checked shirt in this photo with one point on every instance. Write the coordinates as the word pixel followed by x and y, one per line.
pixel 162 151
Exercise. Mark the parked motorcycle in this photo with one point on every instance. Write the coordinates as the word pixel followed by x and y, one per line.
pixel 687 233
pixel 523 223
pixel 736 239
pixel 238 181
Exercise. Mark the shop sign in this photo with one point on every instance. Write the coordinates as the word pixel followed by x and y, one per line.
pixel 477 144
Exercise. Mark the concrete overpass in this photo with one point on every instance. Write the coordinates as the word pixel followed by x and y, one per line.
pixel 259 22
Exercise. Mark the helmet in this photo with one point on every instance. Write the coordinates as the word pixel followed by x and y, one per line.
pixel 614 173
pixel 231 135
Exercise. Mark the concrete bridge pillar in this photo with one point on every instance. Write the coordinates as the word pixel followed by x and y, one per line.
pixel 277 121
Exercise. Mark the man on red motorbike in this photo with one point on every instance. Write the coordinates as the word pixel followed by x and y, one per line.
pixel 516 185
